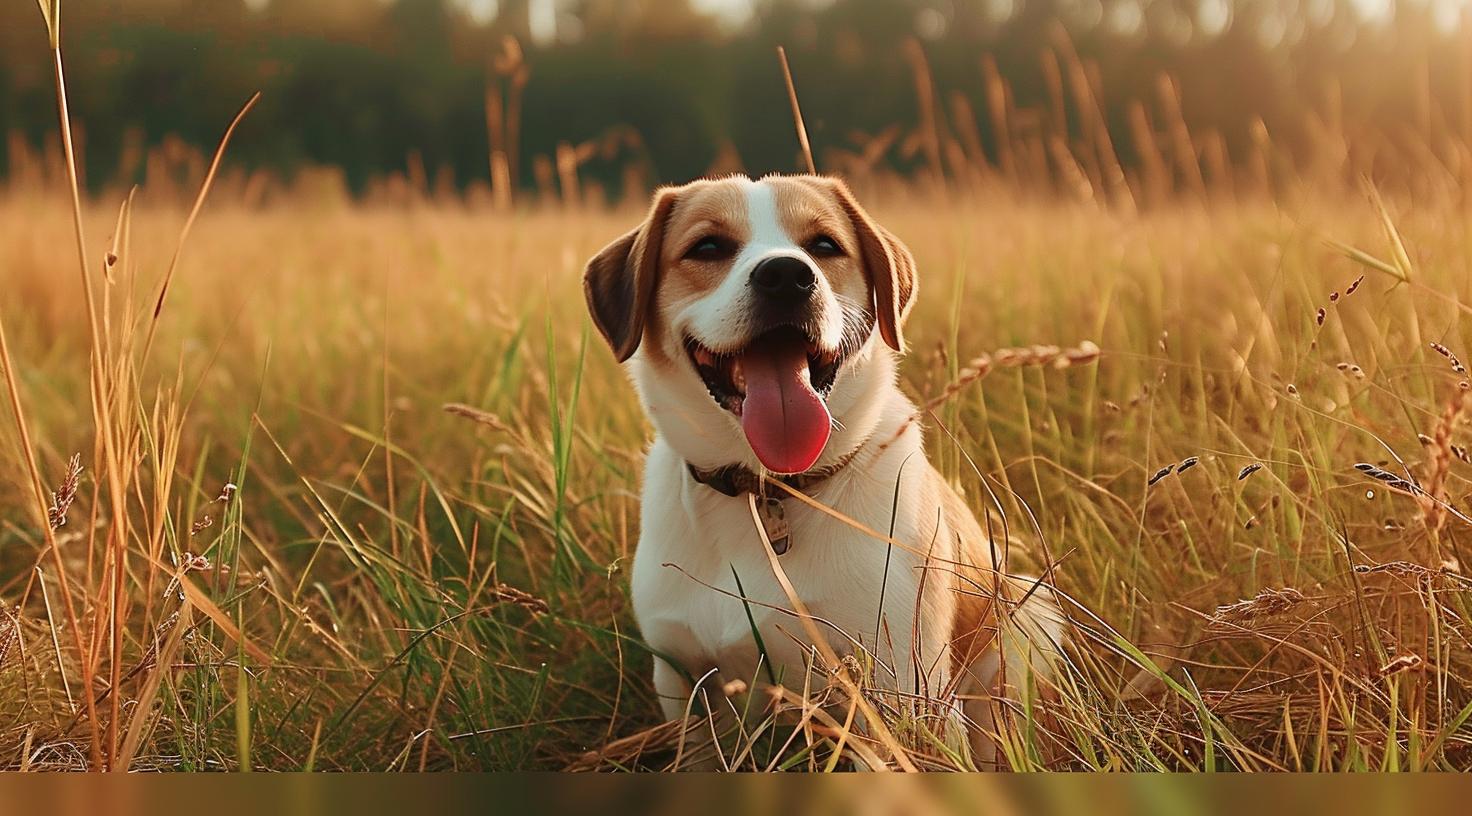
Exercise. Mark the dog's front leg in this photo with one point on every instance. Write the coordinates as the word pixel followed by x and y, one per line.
pixel 672 688
pixel 682 702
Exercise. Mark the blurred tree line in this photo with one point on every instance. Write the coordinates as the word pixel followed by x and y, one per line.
pixel 643 91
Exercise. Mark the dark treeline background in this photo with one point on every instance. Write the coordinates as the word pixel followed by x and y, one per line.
pixel 378 87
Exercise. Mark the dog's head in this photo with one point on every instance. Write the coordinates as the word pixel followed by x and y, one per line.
pixel 774 297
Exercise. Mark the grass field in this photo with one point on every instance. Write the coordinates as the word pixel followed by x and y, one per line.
pixel 310 484
pixel 389 585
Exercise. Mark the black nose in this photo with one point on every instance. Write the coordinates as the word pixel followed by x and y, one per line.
pixel 784 278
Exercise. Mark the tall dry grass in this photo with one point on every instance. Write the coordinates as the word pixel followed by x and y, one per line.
pixel 241 530
pixel 437 589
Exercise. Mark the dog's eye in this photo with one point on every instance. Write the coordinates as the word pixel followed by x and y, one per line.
pixel 711 248
pixel 823 247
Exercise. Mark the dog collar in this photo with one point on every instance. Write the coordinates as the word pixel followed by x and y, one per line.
pixel 738 480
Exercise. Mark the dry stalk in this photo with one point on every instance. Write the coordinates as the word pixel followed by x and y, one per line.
pixel 1040 356
pixel 802 130
pixel 474 414
pixel 1440 452
pixel 204 191
pixel 1405 662
pixel 9 633
pixel 627 750
pixel 1027 356
pixel 507 594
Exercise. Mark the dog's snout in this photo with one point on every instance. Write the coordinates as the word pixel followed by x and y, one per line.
pixel 784 278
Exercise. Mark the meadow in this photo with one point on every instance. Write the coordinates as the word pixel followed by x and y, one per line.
pixel 373 582
pixel 292 480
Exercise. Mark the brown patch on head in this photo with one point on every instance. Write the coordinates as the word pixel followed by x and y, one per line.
pixel 713 211
pixel 807 211
pixel 626 282
pixel 885 262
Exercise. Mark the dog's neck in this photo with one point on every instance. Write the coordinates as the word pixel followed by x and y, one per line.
pixel 738 480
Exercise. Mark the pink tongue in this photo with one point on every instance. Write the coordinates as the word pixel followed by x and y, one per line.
pixel 785 421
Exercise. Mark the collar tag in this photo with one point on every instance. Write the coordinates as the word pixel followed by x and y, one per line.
pixel 774 522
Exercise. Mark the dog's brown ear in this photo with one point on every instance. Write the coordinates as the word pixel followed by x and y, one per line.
pixel 888 264
pixel 620 280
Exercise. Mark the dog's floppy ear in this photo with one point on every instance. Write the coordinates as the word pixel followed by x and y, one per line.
pixel 620 280
pixel 887 263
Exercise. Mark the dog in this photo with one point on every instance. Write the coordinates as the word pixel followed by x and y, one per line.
pixel 761 322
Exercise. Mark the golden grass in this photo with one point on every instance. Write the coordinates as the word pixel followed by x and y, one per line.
pixel 392 585
pixel 358 497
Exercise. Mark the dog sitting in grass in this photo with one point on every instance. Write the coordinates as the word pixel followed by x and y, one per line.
pixel 787 496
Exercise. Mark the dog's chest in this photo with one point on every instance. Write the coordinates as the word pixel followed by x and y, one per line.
pixel 703 581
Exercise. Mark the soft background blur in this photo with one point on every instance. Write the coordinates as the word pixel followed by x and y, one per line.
pixel 633 93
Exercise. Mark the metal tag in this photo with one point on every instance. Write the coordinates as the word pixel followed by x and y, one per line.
pixel 774 521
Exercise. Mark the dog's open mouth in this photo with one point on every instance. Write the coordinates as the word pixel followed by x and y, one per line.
pixel 777 386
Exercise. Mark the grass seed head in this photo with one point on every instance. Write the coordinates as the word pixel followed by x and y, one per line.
pixel 65 494
pixel 1268 603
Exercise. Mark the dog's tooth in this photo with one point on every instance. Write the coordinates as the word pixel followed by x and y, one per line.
pixel 738 376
